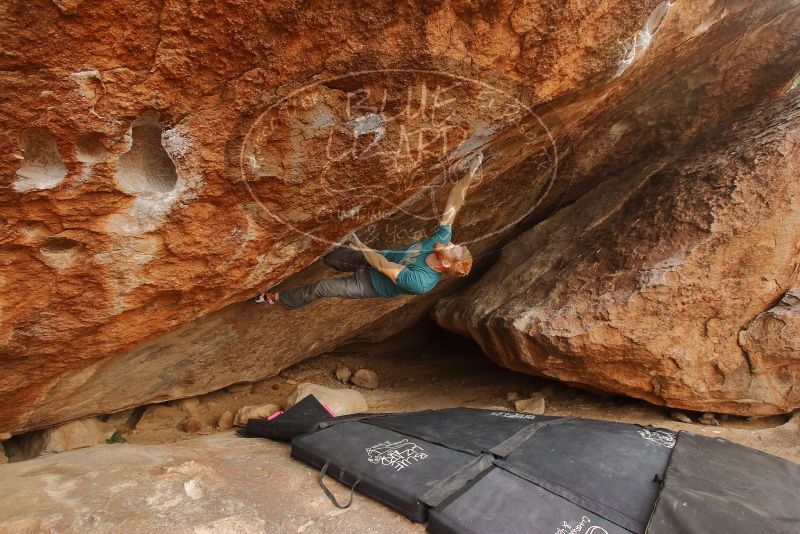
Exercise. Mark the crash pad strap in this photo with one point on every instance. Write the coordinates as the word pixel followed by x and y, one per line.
pixel 441 491
pixel 587 503
pixel 328 492
pixel 505 448
pixel 355 418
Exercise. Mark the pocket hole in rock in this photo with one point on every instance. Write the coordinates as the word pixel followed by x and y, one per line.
pixel 90 149
pixel 59 245
pixel 43 167
pixel 146 167
pixel 60 252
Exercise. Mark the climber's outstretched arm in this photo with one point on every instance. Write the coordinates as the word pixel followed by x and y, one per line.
pixel 377 260
pixel 459 192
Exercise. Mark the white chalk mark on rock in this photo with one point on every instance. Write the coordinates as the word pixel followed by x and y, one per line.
pixel 642 40
pixel 371 123
pixel 194 489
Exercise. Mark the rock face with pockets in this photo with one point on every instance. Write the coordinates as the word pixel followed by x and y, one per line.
pixel 162 161
pixel 674 281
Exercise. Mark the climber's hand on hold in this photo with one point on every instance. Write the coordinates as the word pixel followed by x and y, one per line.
pixel 475 163
pixel 355 242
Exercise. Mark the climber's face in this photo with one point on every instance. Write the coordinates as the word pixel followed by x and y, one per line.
pixel 455 259
pixel 449 252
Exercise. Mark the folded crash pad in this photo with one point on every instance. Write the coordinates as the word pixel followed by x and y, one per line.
pixel 301 418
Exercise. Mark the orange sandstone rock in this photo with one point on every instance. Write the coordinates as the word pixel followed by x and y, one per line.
pixel 162 162
pixel 662 282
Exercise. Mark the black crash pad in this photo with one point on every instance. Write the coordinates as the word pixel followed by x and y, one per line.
pixel 487 471
pixel 714 485
pixel 397 470
pixel 464 429
pixel 579 473
pixel 302 418
pixel 500 502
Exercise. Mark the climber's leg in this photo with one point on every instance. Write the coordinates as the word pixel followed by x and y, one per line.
pixel 356 286
pixel 345 259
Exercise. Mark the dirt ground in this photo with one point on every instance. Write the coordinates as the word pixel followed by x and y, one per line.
pixel 426 368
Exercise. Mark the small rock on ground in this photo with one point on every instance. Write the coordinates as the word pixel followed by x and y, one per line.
pixel 343 374
pixel 366 379
pixel 708 419
pixel 73 435
pixel 535 405
pixel 191 425
pixel 339 401
pixel 225 420
pixel 259 411
pixel 679 417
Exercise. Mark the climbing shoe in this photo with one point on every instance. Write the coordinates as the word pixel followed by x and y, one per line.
pixel 266 298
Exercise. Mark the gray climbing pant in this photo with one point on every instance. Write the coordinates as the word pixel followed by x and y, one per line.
pixel 356 286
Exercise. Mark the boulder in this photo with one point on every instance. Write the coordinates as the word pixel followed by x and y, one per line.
pixel 364 378
pixel 662 282
pixel 66 437
pixel 3 457
pixel 339 401
pixel 535 405
pixel 259 411
pixel 161 175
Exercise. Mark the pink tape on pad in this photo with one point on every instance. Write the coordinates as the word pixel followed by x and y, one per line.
pixel 273 416
pixel 329 409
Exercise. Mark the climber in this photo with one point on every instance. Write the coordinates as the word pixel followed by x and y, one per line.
pixel 412 270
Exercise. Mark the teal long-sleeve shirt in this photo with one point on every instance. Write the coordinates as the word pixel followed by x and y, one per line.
pixel 417 277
